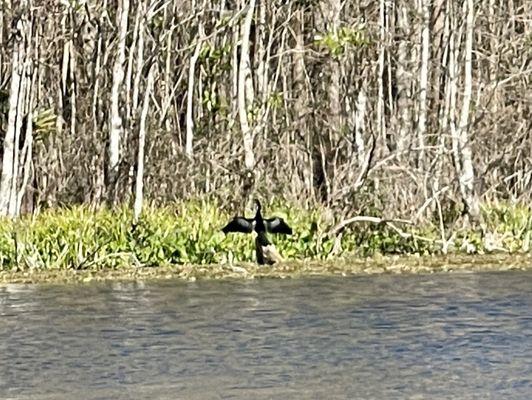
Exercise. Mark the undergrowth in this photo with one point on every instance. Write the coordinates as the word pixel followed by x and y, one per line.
pixel 189 233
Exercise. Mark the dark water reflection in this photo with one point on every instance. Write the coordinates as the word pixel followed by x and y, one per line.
pixel 456 336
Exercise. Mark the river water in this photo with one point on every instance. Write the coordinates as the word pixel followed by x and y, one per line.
pixel 443 336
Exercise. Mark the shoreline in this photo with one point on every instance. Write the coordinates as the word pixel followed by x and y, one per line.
pixel 292 269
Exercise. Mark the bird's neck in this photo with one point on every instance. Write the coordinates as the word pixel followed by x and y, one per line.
pixel 258 214
pixel 259 222
pixel 262 239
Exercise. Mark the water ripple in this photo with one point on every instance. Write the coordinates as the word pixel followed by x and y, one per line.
pixel 456 336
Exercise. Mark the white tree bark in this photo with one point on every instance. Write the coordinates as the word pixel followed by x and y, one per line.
pixel 27 149
pixel 442 24
pixel 404 81
pixel 116 130
pixel 24 83
pixel 331 11
pixel 244 76
pixel 68 77
pixel 139 182
pixel 381 124
pixel 235 71
pixel 261 61
pixel 423 78
pixel 13 123
pixel 139 63
pixel 360 126
pixel 97 166
pixel 167 79
pixel 73 92
pixel 136 44
pixel 300 96
pixel 467 177
pixel 190 97
pixel 453 83
pixel 462 153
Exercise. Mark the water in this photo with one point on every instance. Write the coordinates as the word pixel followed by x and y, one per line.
pixel 453 336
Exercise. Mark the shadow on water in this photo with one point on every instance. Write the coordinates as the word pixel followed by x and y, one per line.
pixel 463 336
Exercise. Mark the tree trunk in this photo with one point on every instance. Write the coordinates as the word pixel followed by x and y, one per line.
pixel 190 93
pixel 381 122
pixel 27 149
pixel 8 181
pixel 467 177
pixel 301 97
pixel 139 182
pixel 244 75
pixel 360 126
pixel 261 61
pixel 423 80
pixel 460 132
pixel 116 128
pixel 404 81
pixel 332 13
pixel 138 45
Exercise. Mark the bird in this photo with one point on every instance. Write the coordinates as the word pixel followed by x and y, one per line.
pixel 265 251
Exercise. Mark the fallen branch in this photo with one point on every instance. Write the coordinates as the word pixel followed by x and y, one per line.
pixel 361 218
pixel 407 235
pixel 389 222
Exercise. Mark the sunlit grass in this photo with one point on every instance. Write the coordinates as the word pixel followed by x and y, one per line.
pixel 188 233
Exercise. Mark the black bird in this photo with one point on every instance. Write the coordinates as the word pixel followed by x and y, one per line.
pixel 265 251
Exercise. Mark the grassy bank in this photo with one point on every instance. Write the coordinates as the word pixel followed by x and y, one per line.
pixel 290 269
pixel 184 234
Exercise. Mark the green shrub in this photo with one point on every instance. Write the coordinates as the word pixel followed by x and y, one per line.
pixel 189 233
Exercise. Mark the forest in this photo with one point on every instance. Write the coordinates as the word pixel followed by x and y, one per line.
pixel 415 112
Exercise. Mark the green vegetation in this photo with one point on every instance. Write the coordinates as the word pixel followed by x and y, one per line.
pixel 189 233
pixel 337 43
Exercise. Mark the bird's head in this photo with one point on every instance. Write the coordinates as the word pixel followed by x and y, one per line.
pixel 257 205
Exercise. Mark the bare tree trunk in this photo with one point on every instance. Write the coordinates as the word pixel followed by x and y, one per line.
pixel 72 86
pixel 244 75
pixel 381 123
pixel 301 96
pixel 423 79
pixel 14 121
pixel 442 27
pixel 460 134
pixel 136 42
pixel 98 163
pixel 299 71
pixel 467 177
pixel 360 126
pixel 24 83
pixel 139 182
pixel 235 69
pixel 190 92
pixel 27 149
pixel 402 85
pixel 68 77
pixel 453 85
pixel 260 40
pixel 404 81
pixel 116 128
pixel 332 13
pixel 140 60
pixel 167 78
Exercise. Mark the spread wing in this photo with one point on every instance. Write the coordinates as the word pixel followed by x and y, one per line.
pixel 239 224
pixel 277 225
